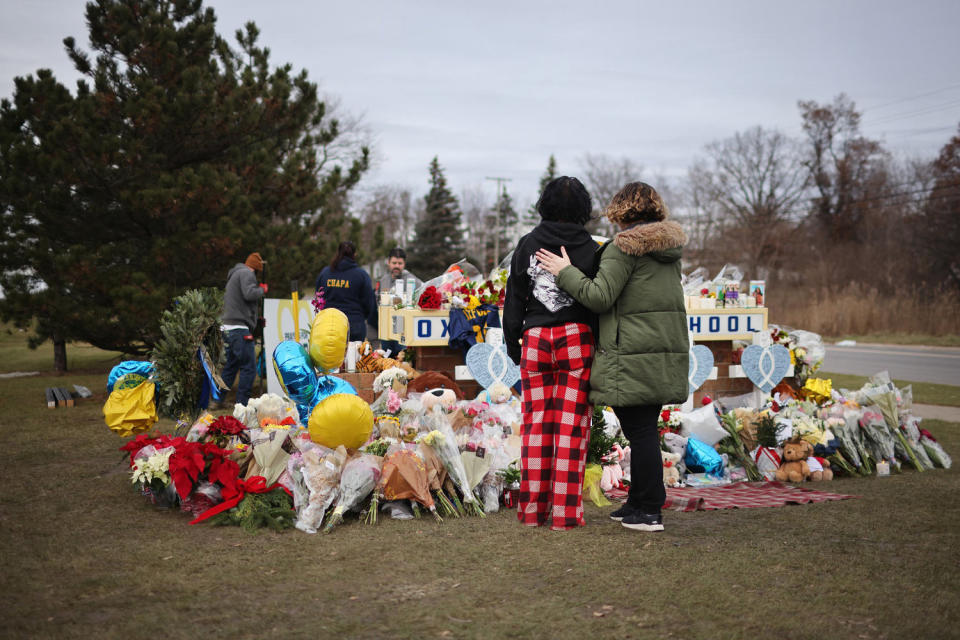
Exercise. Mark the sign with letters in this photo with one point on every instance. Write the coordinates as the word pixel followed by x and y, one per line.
pixel 726 324
pixel 278 313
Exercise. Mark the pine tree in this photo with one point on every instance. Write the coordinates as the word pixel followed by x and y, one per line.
pixel 438 239
pixel 502 221
pixel 176 157
pixel 532 216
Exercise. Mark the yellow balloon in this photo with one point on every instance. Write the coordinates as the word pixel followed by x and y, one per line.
pixel 328 339
pixel 341 419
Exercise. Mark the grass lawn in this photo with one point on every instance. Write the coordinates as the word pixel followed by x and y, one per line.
pixel 85 556
pixel 923 392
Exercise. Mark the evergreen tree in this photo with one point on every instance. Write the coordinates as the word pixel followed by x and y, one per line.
pixel 532 216
pixel 438 239
pixel 502 221
pixel 176 157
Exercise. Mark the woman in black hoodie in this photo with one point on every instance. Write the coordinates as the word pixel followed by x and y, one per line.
pixel 549 334
pixel 346 286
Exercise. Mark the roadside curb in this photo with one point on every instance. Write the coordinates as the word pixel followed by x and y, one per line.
pixel 937 412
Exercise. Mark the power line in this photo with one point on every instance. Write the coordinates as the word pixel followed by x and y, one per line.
pixel 909 98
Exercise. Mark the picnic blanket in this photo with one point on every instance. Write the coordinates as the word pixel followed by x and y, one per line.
pixel 740 495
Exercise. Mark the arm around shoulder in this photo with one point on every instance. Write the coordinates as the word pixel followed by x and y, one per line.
pixel 602 291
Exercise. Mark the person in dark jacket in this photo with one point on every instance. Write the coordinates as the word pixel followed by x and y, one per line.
pixel 239 322
pixel 643 346
pixel 348 287
pixel 555 358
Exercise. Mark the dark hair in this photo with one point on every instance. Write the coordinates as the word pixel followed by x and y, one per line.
pixel 397 252
pixel 636 202
pixel 345 250
pixel 565 199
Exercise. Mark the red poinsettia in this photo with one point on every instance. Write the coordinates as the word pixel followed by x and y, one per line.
pixel 189 461
pixel 226 426
pixel 430 298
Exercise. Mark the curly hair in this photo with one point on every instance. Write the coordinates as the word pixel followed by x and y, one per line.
pixel 565 199
pixel 636 202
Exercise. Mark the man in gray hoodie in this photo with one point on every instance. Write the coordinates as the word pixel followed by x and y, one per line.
pixel 239 322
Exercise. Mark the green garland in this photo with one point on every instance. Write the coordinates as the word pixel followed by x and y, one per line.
pixel 192 323
pixel 258 510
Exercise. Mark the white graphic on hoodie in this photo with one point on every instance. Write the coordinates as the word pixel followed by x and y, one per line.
pixel 545 288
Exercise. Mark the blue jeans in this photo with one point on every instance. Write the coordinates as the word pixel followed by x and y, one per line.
pixel 241 357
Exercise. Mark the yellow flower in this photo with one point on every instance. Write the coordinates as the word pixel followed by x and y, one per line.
pixel 473 303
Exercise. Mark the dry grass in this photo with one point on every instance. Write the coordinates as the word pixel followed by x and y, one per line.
pixel 861 311
pixel 84 557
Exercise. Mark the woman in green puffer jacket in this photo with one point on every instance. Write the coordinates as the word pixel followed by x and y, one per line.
pixel 642 352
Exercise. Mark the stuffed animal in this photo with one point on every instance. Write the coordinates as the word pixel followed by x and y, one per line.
pixel 794 467
pixel 431 398
pixel 498 393
pixel 382 364
pixel 433 380
pixel 819 469
pixel 671 472
pixel 612 477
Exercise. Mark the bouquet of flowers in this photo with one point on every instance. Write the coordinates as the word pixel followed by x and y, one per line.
pixel 405 477
pixel 669 420
pixel 359 478
pixel 316 471
pixel 188 464
pixel 151 470
pixel 430 298
pixel 444 443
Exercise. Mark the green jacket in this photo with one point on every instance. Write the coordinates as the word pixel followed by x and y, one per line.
pixel 642 350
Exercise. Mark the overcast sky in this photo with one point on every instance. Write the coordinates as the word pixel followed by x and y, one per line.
pixel 494 88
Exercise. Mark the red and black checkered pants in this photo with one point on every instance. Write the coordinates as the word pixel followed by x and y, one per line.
pixel 555 374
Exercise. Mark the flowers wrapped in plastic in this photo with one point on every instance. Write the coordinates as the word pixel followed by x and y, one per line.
pixel 315 472
pixel 444 442
pixel 430 298
pixel 358 480
pixel 404 477
pixel 876 435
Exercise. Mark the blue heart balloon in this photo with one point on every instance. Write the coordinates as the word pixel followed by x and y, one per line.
pixel 295 371
pixel 326 387
pixel 701 366
pixel 489 363
pixel 765 366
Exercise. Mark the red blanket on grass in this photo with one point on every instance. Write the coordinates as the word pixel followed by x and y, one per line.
pixel 740 495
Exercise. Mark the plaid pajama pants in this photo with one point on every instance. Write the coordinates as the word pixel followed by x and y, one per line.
pixel 555 375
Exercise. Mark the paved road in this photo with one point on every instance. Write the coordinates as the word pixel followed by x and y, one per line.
pixel 916 364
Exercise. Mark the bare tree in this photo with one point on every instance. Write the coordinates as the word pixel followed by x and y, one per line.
pixel 746 191
pixel 844 167
pixel 475 206
pixel 604 176
pixel 389 207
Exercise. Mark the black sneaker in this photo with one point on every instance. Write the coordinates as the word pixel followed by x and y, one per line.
pixel 622 512
pixel 643 521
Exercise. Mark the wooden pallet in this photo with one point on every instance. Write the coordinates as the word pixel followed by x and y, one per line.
pixel 59 397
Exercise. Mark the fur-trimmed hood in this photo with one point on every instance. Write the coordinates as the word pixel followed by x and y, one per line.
pixel 662 239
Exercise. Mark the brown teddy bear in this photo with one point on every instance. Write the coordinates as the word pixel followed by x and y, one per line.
pixel 794 467
pixel 428 380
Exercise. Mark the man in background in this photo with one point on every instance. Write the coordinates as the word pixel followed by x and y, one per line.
pixel 239 323
pixel 396 270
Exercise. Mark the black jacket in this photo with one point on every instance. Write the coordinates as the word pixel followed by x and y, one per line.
pixel 348 288
pixel 533 298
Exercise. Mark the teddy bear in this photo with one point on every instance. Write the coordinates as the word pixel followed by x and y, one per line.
pixel 794 467
pixel 434 380
pixel 820 470
pixel 671 472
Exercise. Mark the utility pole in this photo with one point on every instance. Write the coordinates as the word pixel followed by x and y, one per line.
pixel 496 227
